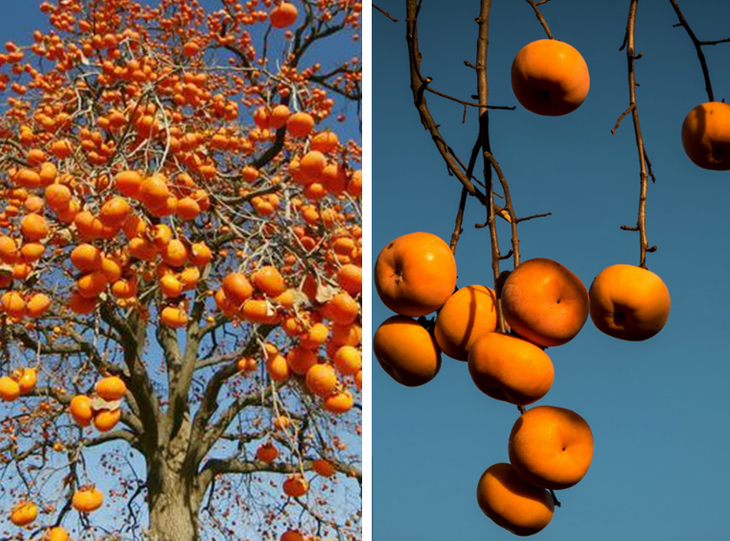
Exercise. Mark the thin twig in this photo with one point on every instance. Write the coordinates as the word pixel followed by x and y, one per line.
pixel 540 17
pixel 385 13
pixel 698 47
pixel 644 177
pixel 459 220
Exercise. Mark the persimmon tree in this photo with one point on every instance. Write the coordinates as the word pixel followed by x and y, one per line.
pixel 180 272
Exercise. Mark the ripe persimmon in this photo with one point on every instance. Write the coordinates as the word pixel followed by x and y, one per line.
pixel 415 274
pixel 9 389
pixel 299 124
pixel 469 313
pixel 87 499
pixel 267 452
pixel 628 302
pixel 706 135
pixel 551 447
pixel 269 280
pixel 321 379
pixel 406 351
pixel 545 302
pixel 550 77
pixel 513 504
pixel 24 513
pixel 81 411
pixel 339 402
pixel 27 379
pixel 292 535
pixel 509 368
pixel 283 15
pixel 237 287
pixel 110 388
pixel 295 485
pixel 86 257
pixel 57 533
pixel 105 420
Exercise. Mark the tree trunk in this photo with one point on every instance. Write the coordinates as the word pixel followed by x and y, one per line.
pixel 173 504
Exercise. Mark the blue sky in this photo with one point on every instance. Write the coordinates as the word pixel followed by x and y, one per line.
pixel 656 408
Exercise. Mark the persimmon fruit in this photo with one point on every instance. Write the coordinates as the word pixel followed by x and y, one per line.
pixel 551 447
pixel 87 499
pixel 406 351
pixel 509 368
pixel 415 274
pixel 629 302
pixel 513 504
pixel 283 15
pixel 469 313
pixel 550 77
pixel 24 513
pixel 544 302
pixel 706 136
pixel 111 388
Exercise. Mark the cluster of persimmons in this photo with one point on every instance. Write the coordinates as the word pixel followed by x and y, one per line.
pixel 156 170
pixel 543 305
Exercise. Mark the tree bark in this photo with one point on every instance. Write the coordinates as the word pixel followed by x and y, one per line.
pixel 174 504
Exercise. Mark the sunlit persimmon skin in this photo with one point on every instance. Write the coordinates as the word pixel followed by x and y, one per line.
pixel 513 504
pixel 406 351
pixel 706 135
pixel 545 302
pixel 551 447
pixel 629 302
pixel 469 313
pixel 550 77
pixel 509 368
pixel 415 274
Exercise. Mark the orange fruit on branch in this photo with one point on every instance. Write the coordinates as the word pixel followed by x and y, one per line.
pixel 27 379
pixel 9 389
pixel 295 485
pixel 24 513
pixel 105 420
pixel 283 15
pixel 706 135
pixel 545 302
pixel 406 351
pixel 80 408
pixel 509 368
pixel 267 452
pixel 550 77
pixel 551 447
pixel 469 313
pixel 513 504
pixel 57 533
pixel 111 388
pixel 415 274
pixel 87 499
pixel 628 302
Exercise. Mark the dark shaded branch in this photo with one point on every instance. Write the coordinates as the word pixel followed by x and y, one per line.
pixel 385 13
pixel 417 81
pixel 698 47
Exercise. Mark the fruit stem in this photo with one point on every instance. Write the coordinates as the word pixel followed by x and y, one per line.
pixel 539 16
pixel 644 176
pixel 698 46
pixel 555 498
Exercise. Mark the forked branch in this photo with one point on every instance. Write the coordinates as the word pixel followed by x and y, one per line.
pixel 539 15
pixel 698 47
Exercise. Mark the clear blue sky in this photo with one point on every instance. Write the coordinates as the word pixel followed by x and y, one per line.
pixel 657 408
